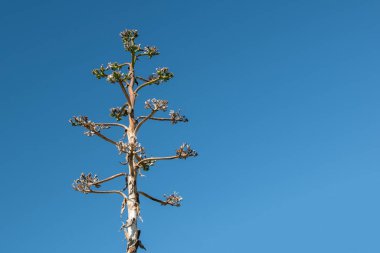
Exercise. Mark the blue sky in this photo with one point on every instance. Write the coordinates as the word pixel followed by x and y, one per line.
pixel 283 102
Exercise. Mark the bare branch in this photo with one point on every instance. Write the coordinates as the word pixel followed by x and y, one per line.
pixel 125 92
pixel 112 124
pixel 126 63
pixel 108 179
pixel 141 78
pixel 150 159
pixel 164 203
pixel 109 192
pixel 84 182
pixel 154 118
pixel 105 138
pixel 125 198
pixel 175 117
pixel 144 120
pixel 146 84
pixel 161 75
pixel 163 119
pixel 93 128
pixel 183 152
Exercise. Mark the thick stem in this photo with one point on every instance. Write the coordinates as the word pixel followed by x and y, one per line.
pixel 132 232
pixel 132 96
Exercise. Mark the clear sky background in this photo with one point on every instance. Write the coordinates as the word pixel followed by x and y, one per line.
pixel 283 102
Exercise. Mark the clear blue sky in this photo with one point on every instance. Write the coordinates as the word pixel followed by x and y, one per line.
pixel 283 101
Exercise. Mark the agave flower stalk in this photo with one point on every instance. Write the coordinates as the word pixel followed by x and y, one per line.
pixel 135 158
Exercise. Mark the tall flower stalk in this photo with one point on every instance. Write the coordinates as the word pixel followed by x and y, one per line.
pixel 136 161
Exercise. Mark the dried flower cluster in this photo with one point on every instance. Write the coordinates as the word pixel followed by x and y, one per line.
pixel 111 66
pixel 131 148
pixel 84 183
pixel 119 112
pixel 146 165
pixel 85 122
pixel 160 76
pixel 185 151
pixel 163 75
pixel 150 51
pixel 173 199
pixel 156 104
pixel 176 117
pixel 116 76
pixel 128 37
pixel 79 121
